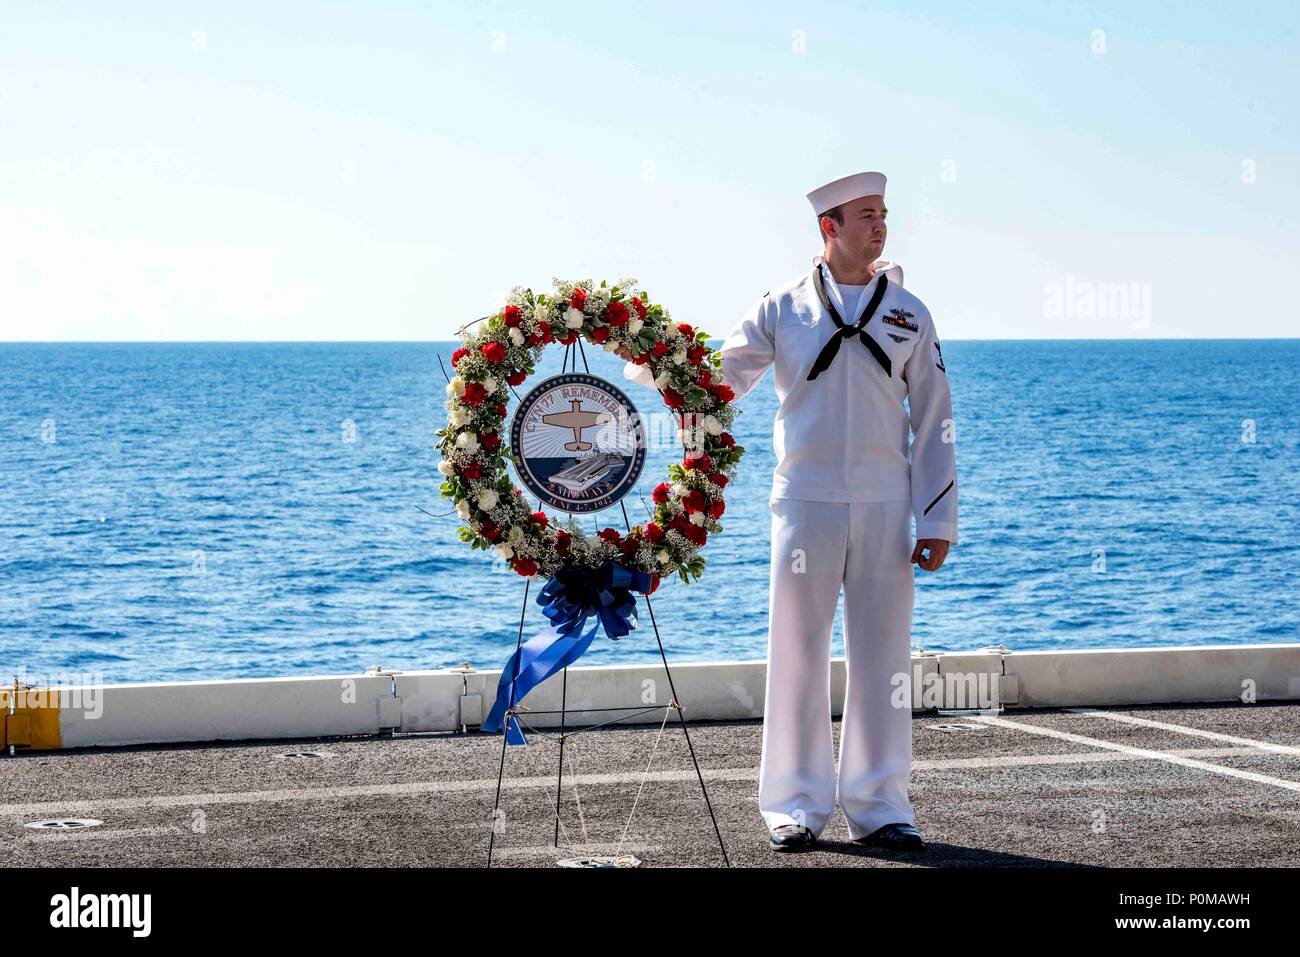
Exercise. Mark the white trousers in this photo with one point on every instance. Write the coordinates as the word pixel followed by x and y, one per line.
pixel 817 547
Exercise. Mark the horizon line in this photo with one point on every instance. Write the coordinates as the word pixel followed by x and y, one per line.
pixel 269 342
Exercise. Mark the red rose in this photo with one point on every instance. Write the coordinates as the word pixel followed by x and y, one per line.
pixel 705 378
pixel 695 354
pixel 686 330
pixel 616 314
pixel 494 351
pixel 474 394
pixel 457 355
pixel 489 530
pixel 473 470
pixel 718 479
pixel 694 501
pixel 562 540
pixel 726 440
pixel 599 334
pixel 717 508
pixel 513 315
pixel 659 348
pixel 533 339
pixel 545 328
pixel 698 461
pixel 525 566
pixel 629 545
pixel 489 440
pixel 539 518
pixel 661 493
pixel 578 298
pixel 569 339
pixel 723 392
pixel 693 533
pixel 501 410
pixel 673 399
pixel 653 534
pixel 639 306
pixel 516 377
pixel 641 359
pixel 610 535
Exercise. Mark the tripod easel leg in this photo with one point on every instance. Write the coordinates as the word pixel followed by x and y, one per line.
pixel 505 728
pixel 559 778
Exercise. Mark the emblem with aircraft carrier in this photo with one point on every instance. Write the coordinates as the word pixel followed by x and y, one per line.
pixel 578 443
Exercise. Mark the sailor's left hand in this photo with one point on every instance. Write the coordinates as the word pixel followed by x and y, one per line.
pixel 938 551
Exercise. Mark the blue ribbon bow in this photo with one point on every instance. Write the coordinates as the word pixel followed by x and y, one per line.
pixel 572 596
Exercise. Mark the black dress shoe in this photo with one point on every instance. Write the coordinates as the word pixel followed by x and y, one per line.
pixel 792 837
pixel 894 837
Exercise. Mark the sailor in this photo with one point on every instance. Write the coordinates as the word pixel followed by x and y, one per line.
pixel 849 345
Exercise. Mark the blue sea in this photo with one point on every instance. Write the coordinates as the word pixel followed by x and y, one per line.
pixel 211 510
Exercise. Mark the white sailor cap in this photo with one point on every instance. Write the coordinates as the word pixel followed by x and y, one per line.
pixel 846 188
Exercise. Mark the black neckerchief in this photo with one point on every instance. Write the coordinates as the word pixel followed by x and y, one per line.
pixel 829 351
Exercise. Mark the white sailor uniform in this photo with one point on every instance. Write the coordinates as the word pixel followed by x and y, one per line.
pixel 845 491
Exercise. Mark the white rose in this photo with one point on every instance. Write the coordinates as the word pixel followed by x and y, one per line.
pixel 662 380
pixel 446 468
pixel 678 489
pixel 573 318
pixel 712 425
pixel 463 509
pixel 517 337
pixel 458 416
pixel 467 441
pixel 487 499
pixel 504 552
pixel 697 518
pixel 490 384
pixel 456 386
pixel 516 536
pixel 663 556
pixel 635 326
pixel 679 357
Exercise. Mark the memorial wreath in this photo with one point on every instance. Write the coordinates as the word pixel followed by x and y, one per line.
pixel 502 351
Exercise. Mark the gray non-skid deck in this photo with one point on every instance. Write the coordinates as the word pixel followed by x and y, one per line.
pixel 1215 786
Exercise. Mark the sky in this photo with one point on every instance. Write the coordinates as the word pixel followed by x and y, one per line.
pixel 389 171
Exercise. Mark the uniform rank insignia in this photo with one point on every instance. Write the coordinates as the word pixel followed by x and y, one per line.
pixel 899 317
pixel 898 338
pixel 939 364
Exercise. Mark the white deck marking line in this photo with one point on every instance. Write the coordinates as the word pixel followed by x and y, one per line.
pixel 565 852
pixel 1072 757
pixel 97 835
pixel 50 808
pixel 1187 729
pixel 1167 756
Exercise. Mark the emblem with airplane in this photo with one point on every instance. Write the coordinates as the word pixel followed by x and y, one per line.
pixel 577 442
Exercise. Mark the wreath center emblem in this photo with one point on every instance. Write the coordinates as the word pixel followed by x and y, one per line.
pixel 579 443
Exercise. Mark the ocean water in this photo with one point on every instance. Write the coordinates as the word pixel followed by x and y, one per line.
pixel 195 511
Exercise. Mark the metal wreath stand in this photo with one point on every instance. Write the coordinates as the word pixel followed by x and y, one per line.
pixel 616 859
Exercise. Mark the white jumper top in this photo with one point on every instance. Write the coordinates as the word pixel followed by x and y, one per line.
pixel 843 435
